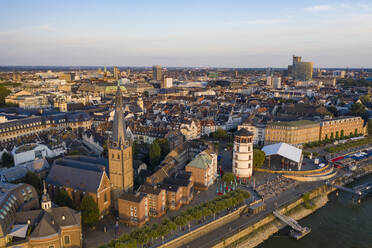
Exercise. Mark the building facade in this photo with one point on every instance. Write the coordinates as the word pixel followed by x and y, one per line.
pixel 133 208
pixel 292 132
pixel 340 127
pixel 204 169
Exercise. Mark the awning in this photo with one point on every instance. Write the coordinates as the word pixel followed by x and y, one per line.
pixel 19 231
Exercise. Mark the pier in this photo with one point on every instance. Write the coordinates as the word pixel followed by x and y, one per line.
pixel 360 190
pixel 297 231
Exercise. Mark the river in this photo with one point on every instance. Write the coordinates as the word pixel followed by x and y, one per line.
pixel 339 224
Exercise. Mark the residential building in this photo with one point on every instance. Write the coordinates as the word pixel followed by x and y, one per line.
pixel 133 208
pixel 166 83
pixel 157 199
pixel 203 169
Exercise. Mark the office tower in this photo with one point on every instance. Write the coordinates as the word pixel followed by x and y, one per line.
pixel 116 73
pixel 302 71
pixel 156 73
pixel 166 83
pixel 277 82
pixel 243 153
pixel 269 81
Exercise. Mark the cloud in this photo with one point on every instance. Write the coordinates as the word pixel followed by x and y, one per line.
pixel 319 8
pixel 258 21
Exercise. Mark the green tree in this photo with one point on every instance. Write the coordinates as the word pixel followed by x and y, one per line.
pixel 62 199
pixel 4 92
pixel 357 109
pixel 135 149
pixel 180 221
pixel 7 160
pixel 146 94
pixel 370 127
pixel 333 110
pixel 155 153
pixel 32 179
pixel 228 177
pixel 89 210
pixel 220 134
pixel 164 147
pixel 258 158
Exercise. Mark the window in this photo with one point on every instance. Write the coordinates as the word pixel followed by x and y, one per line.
pixel 67 240
pixel 51 246
pixel 105 197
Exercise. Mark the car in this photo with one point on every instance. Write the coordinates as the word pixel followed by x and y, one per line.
pixel 321 165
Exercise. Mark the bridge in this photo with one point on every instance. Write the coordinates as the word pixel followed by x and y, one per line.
pixel 360 190
pixel 297 231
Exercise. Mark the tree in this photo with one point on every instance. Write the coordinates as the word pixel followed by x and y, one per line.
pixel 32 179
pixel 258 158
pixel 220 134
pixel 228 177
pixel 164 147
pixel 155 153
pixel 333 110
pixel 180 221
pixel 89 210
pixel 62 199
pixel 7 160
pixel 4 92
pixel 135 149
pixel 357 109
pixel 370 127
pixel 146 94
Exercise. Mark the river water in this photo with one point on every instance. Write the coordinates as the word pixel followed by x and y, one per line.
pixel 339 224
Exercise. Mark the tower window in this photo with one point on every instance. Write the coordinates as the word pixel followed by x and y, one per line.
pixel 118 156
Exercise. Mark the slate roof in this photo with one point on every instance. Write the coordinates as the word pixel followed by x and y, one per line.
pixel 47 223
pixel 79 175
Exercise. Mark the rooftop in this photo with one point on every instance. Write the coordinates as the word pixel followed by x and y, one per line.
pixel 298 123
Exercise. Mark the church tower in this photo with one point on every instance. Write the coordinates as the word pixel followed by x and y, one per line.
pixel 120 151
pixel 46 203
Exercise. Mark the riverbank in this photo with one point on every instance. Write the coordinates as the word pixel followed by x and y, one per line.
pixel 262 230
pixel 263 233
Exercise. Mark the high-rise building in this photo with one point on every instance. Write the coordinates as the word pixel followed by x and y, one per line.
pixel 156 72
pixel 269 81
pixel 120 153
pixel 301 70
pixel 243 153
pixel 277 82
pixel 116 73
pixel 166 83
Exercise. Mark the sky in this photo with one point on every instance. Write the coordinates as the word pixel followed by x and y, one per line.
pixel 197 33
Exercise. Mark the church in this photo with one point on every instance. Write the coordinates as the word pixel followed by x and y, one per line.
pixel 104 180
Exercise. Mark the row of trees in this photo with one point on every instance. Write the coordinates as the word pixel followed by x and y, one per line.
pixel 141 236
pixel 348 145
pixel 328 140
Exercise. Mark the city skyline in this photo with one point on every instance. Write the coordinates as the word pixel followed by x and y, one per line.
pixel 187 34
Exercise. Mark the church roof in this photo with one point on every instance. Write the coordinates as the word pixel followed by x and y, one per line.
pixel 118 126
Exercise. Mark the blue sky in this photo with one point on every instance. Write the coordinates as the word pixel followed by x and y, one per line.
pixel 231 33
